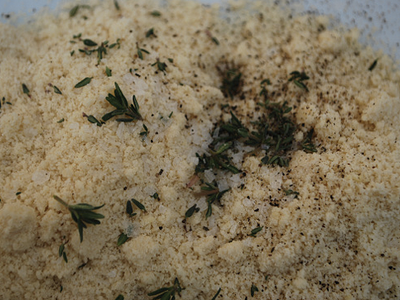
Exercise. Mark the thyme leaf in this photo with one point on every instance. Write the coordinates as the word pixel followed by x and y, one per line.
pixel 253 290
pixel 122 238
pixel 83 82
pixel 155 13
pixel 92 119
pixel 255 231
pixel 167 293
pixel 108 72
pixel 291 192
pixel 215 40
pixel 129 209
pixel 75 10
pixel 191 211
pixel 116 5
pixel 298 78
pixel 82 214
pixel 61 252
pixel 145 132
pixel 57 90
pixel 89 43
pixel 373 65
pixel 138 204
pixel 150 33
pixel 140 51
pixel 216 295
pixel 25 89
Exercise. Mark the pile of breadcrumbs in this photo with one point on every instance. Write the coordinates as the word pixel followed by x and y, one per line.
pixel 240 153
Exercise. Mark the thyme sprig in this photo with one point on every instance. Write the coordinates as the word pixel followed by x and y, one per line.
pixel 82 214
pixel 101 50
pixel 217 294
pixel 298 78
pixel 217 159
pixel 167 293
pixel 161 66
pixel 119 101
pixel 213 194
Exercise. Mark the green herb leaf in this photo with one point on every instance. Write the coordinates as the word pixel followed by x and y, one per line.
pixel 298 78
pixel 108 72
pixel 93 120
pixel 57 90
pixel 291 192
pixel 155 13
pixel 160 65
pixel 373 65
pixel 82 214
pixel 255 231
pixel 117 8
pixel 138 204
pixel 61 120
pixel 83 82
pixel 145 132
pixel 150 33
pixel 61 250
pixel 25 89
pixel 122 239
pixel 117 43
pixel 167 293
pixel 216 295
pixel 140 51
pixel 89 43
pixel 129 208
pixel 253 290
pixel 191 211
pixel 155 196
pixel 215 40
pixel 74 11
pixel 76 8
pixel 64 255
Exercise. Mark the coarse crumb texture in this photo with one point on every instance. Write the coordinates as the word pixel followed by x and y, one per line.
pixel 338 238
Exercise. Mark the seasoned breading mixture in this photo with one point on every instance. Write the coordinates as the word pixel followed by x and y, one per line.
pixel 239 154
